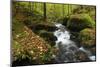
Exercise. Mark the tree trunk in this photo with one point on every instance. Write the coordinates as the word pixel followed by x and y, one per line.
pixel 45 17
pixel 63 10
pixel 68 9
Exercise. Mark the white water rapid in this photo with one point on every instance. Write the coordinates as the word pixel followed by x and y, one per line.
pixel 67 48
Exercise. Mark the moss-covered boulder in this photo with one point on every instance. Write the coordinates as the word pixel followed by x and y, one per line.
pixel 87 37
pixel 48 37
pixel 80 21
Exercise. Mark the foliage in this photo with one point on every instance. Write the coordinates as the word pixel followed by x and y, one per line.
pixel 26 44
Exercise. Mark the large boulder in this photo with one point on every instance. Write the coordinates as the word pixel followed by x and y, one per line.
pixel 63 21
pixel 87 37
pixel 80 21
pixel 37 26
pixel 48 36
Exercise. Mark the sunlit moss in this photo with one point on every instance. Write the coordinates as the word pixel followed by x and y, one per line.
pixel 87 37
pixel 80 21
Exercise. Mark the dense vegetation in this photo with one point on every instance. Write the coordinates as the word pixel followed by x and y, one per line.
pixel 32 25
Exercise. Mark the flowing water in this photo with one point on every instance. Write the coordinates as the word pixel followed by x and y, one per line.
pixel 67 48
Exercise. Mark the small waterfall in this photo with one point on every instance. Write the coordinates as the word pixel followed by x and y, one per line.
pixel 67 48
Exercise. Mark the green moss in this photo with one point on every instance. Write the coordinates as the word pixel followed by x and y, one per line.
pixel 87 37
pixel 80 21
pixel 17 27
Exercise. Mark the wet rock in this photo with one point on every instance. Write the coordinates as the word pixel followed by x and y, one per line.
pixel 81 56
pixel 44 30
pixel 48 36
pixel 93 50
pixel 74 37
pixel 80 21
pixel 43 26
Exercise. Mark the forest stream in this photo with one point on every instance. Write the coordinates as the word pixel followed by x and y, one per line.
pixel 52 33
pixel 67 48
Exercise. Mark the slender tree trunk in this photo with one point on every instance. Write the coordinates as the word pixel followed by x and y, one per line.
pixel 54 12
pixel 63 10
pixel 68 9
pixel 35 6
pixel 71 9
pixel 32 6
pixel 42 8
pixel 45 17
pixel 30 10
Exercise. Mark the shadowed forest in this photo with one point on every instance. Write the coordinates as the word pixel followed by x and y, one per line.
pixel 35 28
